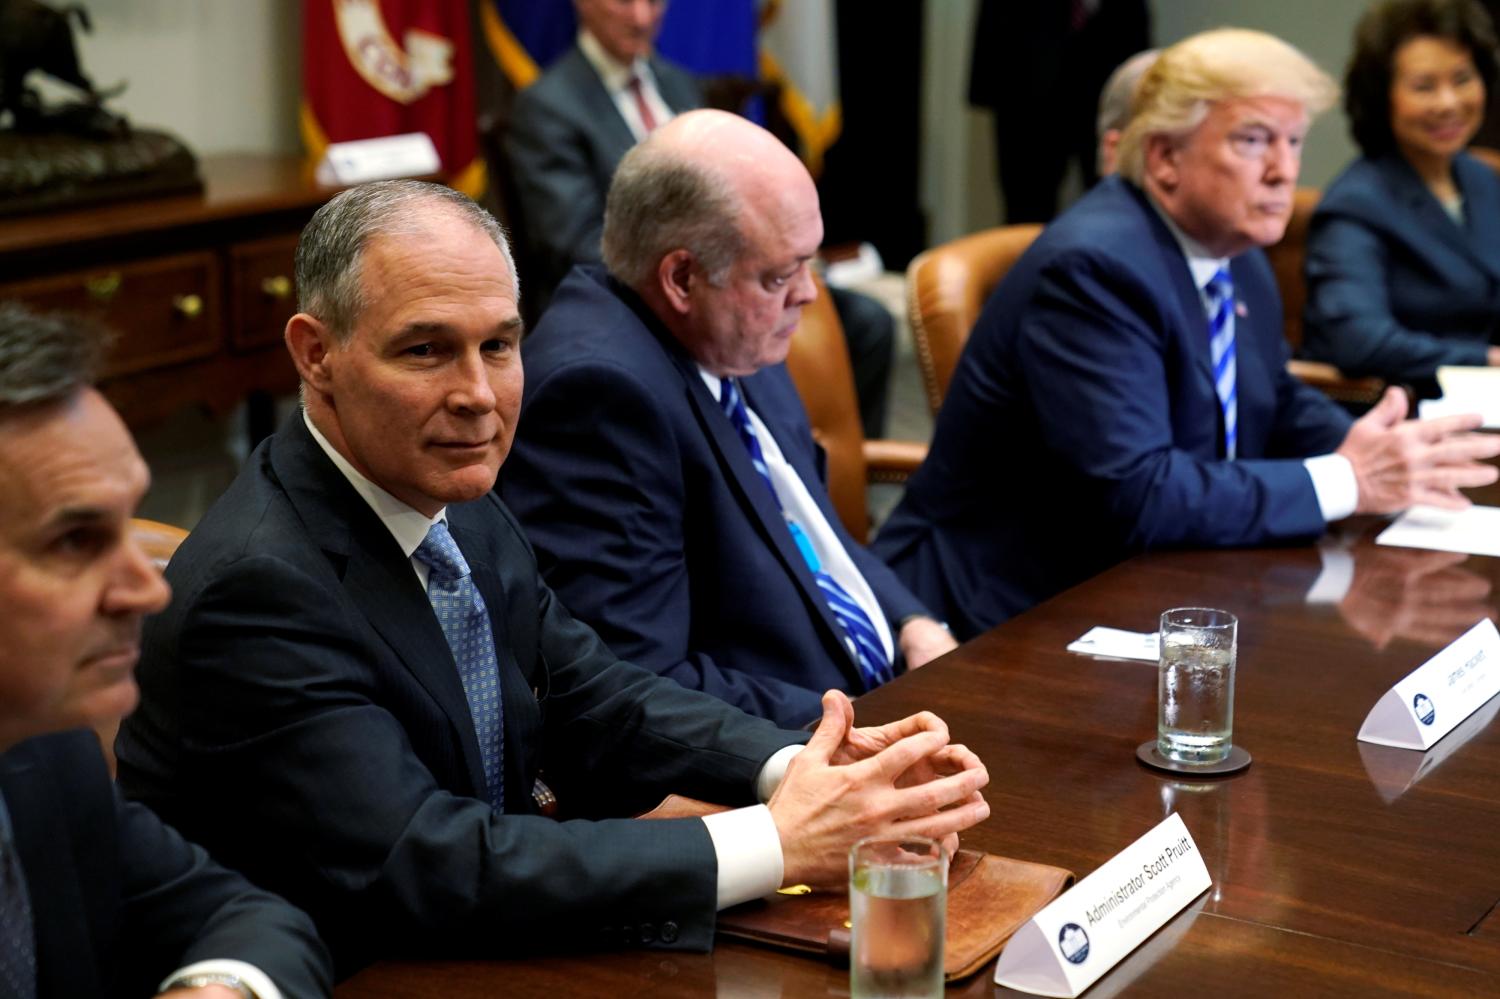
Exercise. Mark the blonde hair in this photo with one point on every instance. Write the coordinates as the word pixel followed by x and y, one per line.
pixel 1174 96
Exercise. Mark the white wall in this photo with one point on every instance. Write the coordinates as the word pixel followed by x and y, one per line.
pixel 223 75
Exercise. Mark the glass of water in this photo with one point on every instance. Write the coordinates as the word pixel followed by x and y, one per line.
pixel 898 897
pixel 1195 686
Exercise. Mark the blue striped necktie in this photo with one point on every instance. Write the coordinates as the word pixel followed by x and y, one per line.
pixel 1220 292
pixel 466 624
pixel 17 934
pixel 859 634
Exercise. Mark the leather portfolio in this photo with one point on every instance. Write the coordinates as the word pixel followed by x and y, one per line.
pixel 989 898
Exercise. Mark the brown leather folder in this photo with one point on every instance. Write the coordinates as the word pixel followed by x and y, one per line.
pixel 989 898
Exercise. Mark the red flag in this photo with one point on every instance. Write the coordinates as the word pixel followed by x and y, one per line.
pixel 384 67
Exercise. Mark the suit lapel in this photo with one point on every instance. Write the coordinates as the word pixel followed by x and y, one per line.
pixel 764 511
pixel 1433 221
pixel 1190 316
pixel 377 577
pixel 677 88
pixel 599 105
pixel 1482 205
pixel 749 489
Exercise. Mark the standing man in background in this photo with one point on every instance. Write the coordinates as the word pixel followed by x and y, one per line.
pixel 1040 66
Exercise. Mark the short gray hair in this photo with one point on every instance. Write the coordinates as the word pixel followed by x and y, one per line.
pixel 331 249
pixel 45 358
pixel 660 201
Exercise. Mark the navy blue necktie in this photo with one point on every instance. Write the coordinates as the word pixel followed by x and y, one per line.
pixel 17 935
pixel 466 624
pixel 1220 292
pixel 860 634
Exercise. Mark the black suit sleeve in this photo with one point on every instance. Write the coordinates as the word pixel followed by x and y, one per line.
pixel 175 899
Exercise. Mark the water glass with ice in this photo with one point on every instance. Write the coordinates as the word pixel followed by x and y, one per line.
pixel 1195 686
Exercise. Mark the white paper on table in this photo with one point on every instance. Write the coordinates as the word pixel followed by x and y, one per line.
pixel 1432 699
pixel 1118 644
pixel 1475 531
pixel 1466 390
pixel 1087 930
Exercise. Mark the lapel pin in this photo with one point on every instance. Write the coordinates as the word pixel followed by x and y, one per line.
pixel 1240 310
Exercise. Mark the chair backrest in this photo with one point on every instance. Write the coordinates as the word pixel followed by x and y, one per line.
pixel 157 540
pixel 1287 256
pixel 819 365
pixel 1490 157
pixel 945 289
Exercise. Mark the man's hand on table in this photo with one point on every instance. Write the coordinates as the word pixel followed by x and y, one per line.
pixel 1399 463
pixel 922 640
pixel 901 779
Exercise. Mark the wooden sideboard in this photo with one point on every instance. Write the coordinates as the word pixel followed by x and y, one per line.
pixel 197 287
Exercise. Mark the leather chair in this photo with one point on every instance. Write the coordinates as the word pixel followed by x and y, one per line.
pixel 159 541
pixel 1288 257
pixel 819 365
pixel 945 289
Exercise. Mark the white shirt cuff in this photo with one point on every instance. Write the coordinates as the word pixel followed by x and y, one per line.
pixel 254 979
pixel 774 769
pixel 748 848
pixel 1334 483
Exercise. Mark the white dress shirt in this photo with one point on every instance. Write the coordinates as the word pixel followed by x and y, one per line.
pixel 616 77
pixel 1332 475
pixel 799 505
pixel 746 843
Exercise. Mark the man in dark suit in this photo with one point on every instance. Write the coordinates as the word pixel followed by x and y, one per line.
pixel 363 673
pixel 569 131
pixel 97 896
pixel 1125 387
pixel 655 521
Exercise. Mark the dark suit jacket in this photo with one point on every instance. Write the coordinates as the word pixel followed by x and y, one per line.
pixel 1395 287
pixel 566 137
pixel 651 522
pixel 1082 423
pixel 119 901
pixel 302 717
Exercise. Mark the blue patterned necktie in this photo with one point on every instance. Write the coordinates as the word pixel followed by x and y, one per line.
pixel 17 934
pixel 859 634
pixel 466 624
pixel 1220 292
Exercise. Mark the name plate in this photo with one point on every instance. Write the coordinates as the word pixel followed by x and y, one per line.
pixel 364 160
pixel 1087 930
pixel 1437 695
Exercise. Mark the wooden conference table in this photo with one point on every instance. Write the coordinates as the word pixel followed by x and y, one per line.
pixel 1339 868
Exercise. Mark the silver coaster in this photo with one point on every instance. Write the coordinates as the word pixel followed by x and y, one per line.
pixel 1236 761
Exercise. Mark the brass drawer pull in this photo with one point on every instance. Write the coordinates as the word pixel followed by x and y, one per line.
pixel 278 287
pixel 104 287
pixel 190 306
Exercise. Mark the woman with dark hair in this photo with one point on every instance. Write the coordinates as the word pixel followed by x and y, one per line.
pixel 1403 255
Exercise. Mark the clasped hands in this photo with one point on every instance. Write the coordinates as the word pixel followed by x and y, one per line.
pixel 900 779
